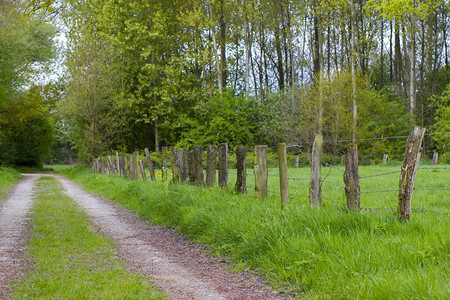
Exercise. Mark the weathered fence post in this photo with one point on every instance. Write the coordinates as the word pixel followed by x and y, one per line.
pixel 128 168
pixel 179 162
pixel 283 169
pixel 297 159
pixel 223 165
pixel 117 163
pixel 385 158
pixel 142 170
pixel 185 173
pixel 135 164
pixel 409 172
pixel 435 158
pixel 198 154
pixel 261 171
pixel 241 167
pixel 122 166
pixel 351 178
pixel 211 161
pixel 150 164
pixel 175 169
pixel 315 193
pixel 164 168
pixel 192 165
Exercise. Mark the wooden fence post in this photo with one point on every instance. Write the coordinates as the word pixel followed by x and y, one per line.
pixel 351 178
pixel 185 173
pixel 150 164
pixel 179 162
pixel 164 169
pixel 135 164
pixel 123 172
pixel 315 193
pixel 283 169
pixel 175 169
pixel 192 165
pixel 198 154
pixel 142 170
pixel 223 165
pixel 128 170
pixel 211 161
pixel 385 158
pixel 435 158
pixel 409 172
pixel 297 159
pixel 261 171
pixel 241 167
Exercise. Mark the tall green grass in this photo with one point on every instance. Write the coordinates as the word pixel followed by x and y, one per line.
pixel 8 177
pixel 327 253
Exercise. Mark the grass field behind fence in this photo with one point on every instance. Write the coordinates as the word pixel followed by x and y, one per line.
pixel 327 253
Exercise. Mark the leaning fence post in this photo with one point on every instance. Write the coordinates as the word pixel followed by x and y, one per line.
pixel 223 165
pixel 435 158
pixel 150 164
pixel 261 172
pixel 241 167
pixel 315 193
pixel 284 180
pixel 198 154
pixel 385 157
pixel 142 170
pixel 211 161
pixel 351 178
pixel 409 172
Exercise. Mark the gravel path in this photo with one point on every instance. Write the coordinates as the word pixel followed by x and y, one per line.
pixel 13 231
pixel 177 267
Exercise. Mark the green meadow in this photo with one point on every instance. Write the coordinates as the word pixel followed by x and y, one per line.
pixel 310 253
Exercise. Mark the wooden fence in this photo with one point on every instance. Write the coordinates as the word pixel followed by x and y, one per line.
pixel 187 166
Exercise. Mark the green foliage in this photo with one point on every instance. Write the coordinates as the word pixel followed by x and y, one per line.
pixel 27 130
pixel 313 253
pixel 442 124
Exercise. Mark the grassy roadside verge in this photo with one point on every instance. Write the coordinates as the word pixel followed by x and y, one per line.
pixel 8 177
pixel 69 260
pixel 326 253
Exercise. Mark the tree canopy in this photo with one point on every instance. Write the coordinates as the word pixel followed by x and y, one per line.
pixel 147 73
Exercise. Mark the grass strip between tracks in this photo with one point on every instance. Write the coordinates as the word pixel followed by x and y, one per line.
pixel 69 260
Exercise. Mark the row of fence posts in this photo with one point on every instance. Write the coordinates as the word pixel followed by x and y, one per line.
pixel 187 165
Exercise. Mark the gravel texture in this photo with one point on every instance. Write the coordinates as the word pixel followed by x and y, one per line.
pixel 181 269
pixel 13 232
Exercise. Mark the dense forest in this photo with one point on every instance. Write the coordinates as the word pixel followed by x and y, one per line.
pixel 149 73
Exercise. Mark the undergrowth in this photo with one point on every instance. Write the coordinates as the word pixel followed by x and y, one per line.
pixel 327 253
pixel 8 177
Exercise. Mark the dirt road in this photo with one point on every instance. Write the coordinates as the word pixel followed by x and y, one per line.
pixel 13 219
pixel 180 268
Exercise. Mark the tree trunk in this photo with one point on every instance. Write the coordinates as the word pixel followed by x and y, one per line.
pixel 353 54
pixel 223 55
pixel 156 135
